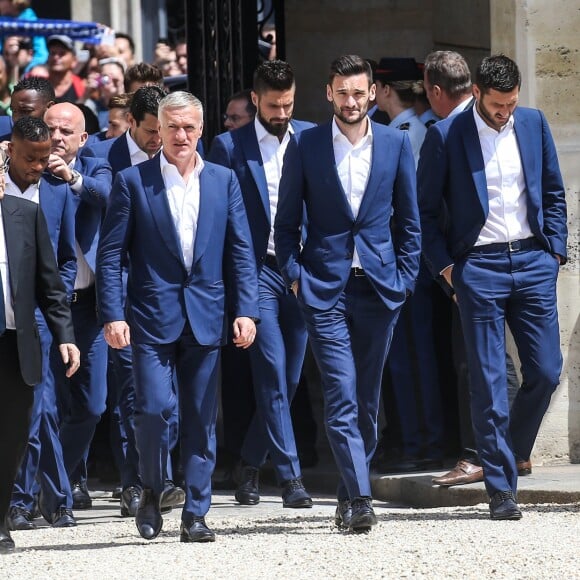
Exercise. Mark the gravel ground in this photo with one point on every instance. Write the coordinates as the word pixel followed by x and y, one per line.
pixel 267 541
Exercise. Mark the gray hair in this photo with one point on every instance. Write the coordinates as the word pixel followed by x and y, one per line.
pixel 179 100
pixel 449 70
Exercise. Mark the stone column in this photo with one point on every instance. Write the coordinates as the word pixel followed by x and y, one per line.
pixel 542 36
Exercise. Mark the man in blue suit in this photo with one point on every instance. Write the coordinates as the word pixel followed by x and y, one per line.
pixel 180 225
pixel 255 152
pixel 82 399
pixel 140 143
pixel 29 153
pixel 495 168
pixel 353 273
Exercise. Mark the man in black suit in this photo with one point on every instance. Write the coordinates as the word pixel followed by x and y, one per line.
pixel 28 276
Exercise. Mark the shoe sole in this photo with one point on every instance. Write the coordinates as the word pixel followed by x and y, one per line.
pixel 298 505
pixel 82 505
pixel 363 525
pixel 508 516
pixel 177 499
pixel 187 539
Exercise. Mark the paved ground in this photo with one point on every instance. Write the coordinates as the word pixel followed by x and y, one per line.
pixel 267 541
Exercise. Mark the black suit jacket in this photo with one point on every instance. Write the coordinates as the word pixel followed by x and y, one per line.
pixel 34 279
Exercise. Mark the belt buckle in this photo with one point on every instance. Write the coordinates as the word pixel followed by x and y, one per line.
pixel 515 245
pixel 358 272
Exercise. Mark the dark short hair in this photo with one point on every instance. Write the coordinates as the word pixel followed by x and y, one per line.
pixel 498 72
pixel 448 70
pixel 31 129
pixel 245 95
pixel 350 65
pixel 38 84
pixel 146 101
pixel 273 75
pixel 128 38
pixel 143 72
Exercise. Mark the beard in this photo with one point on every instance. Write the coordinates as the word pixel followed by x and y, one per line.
pixel 277 129
pixel 351 120
pixel 493 121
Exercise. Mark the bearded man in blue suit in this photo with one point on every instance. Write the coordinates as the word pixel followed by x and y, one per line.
pixel 494 169
pixel 255 152
pixel 180 225
pixel 355 180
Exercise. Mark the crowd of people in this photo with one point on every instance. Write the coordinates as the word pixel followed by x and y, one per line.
pixel 169 268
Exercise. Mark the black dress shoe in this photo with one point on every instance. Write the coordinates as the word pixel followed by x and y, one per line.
pixel 6 541
pixel 148 517
pixel 363 516
pixel 294 495
pixel 343 514
pixel 196 531
pixel 130 501
pixel 20 519
pixel 503 506
pixel 63 518
pixel 172 496
pixel 80 494
pixel 247 492
pixel 116 493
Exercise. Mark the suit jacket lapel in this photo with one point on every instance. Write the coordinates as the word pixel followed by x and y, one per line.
pixel 475 159
pixel 526 138
pixel 379 162
pixel 331 177
pixel 14 234
pixel 251 149
pixel 156 195
pixel 205 217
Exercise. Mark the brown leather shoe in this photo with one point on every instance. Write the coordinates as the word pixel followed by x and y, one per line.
pixel 524 467
pixel 464 472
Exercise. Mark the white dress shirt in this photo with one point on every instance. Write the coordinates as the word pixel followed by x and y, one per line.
pixel 183 201
pixel 4 272
pixel 507 219
pixel 135 152
pixel 32 192
pixel 353 165
pixel 85 277
pixel 272 151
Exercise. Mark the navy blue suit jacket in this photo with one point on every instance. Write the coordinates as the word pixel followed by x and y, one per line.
pixel 91 203
pixel 451 172
pixel 389 256
pixel 162 294
pixel 115 151
pixel 239 150
pixel 58 206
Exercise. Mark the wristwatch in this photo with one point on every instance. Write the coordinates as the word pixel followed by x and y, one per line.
pixel 75 177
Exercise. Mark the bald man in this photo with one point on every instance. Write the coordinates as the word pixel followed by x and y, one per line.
pixel 84 396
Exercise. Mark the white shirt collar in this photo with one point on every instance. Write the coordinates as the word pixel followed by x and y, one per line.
pixel 134 149
pixel 166 165
pixel 11 187
pixel 338 134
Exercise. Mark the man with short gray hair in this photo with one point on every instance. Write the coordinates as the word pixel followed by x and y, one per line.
pixel 180 225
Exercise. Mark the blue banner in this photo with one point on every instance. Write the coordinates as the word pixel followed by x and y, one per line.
pixel 86 31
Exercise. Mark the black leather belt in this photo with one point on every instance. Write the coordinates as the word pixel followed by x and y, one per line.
pixel 271 262
pixel 513 246
pixel 83 295
pixel 357 272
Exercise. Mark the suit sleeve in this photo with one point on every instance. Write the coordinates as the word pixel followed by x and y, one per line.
pixel 66 249
pixel 553 195
pixel 290 214
pixel 50 290
pixel 407 231
pixel 239 256
pixel 112 252
pixel 96 185
pixel 431 179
